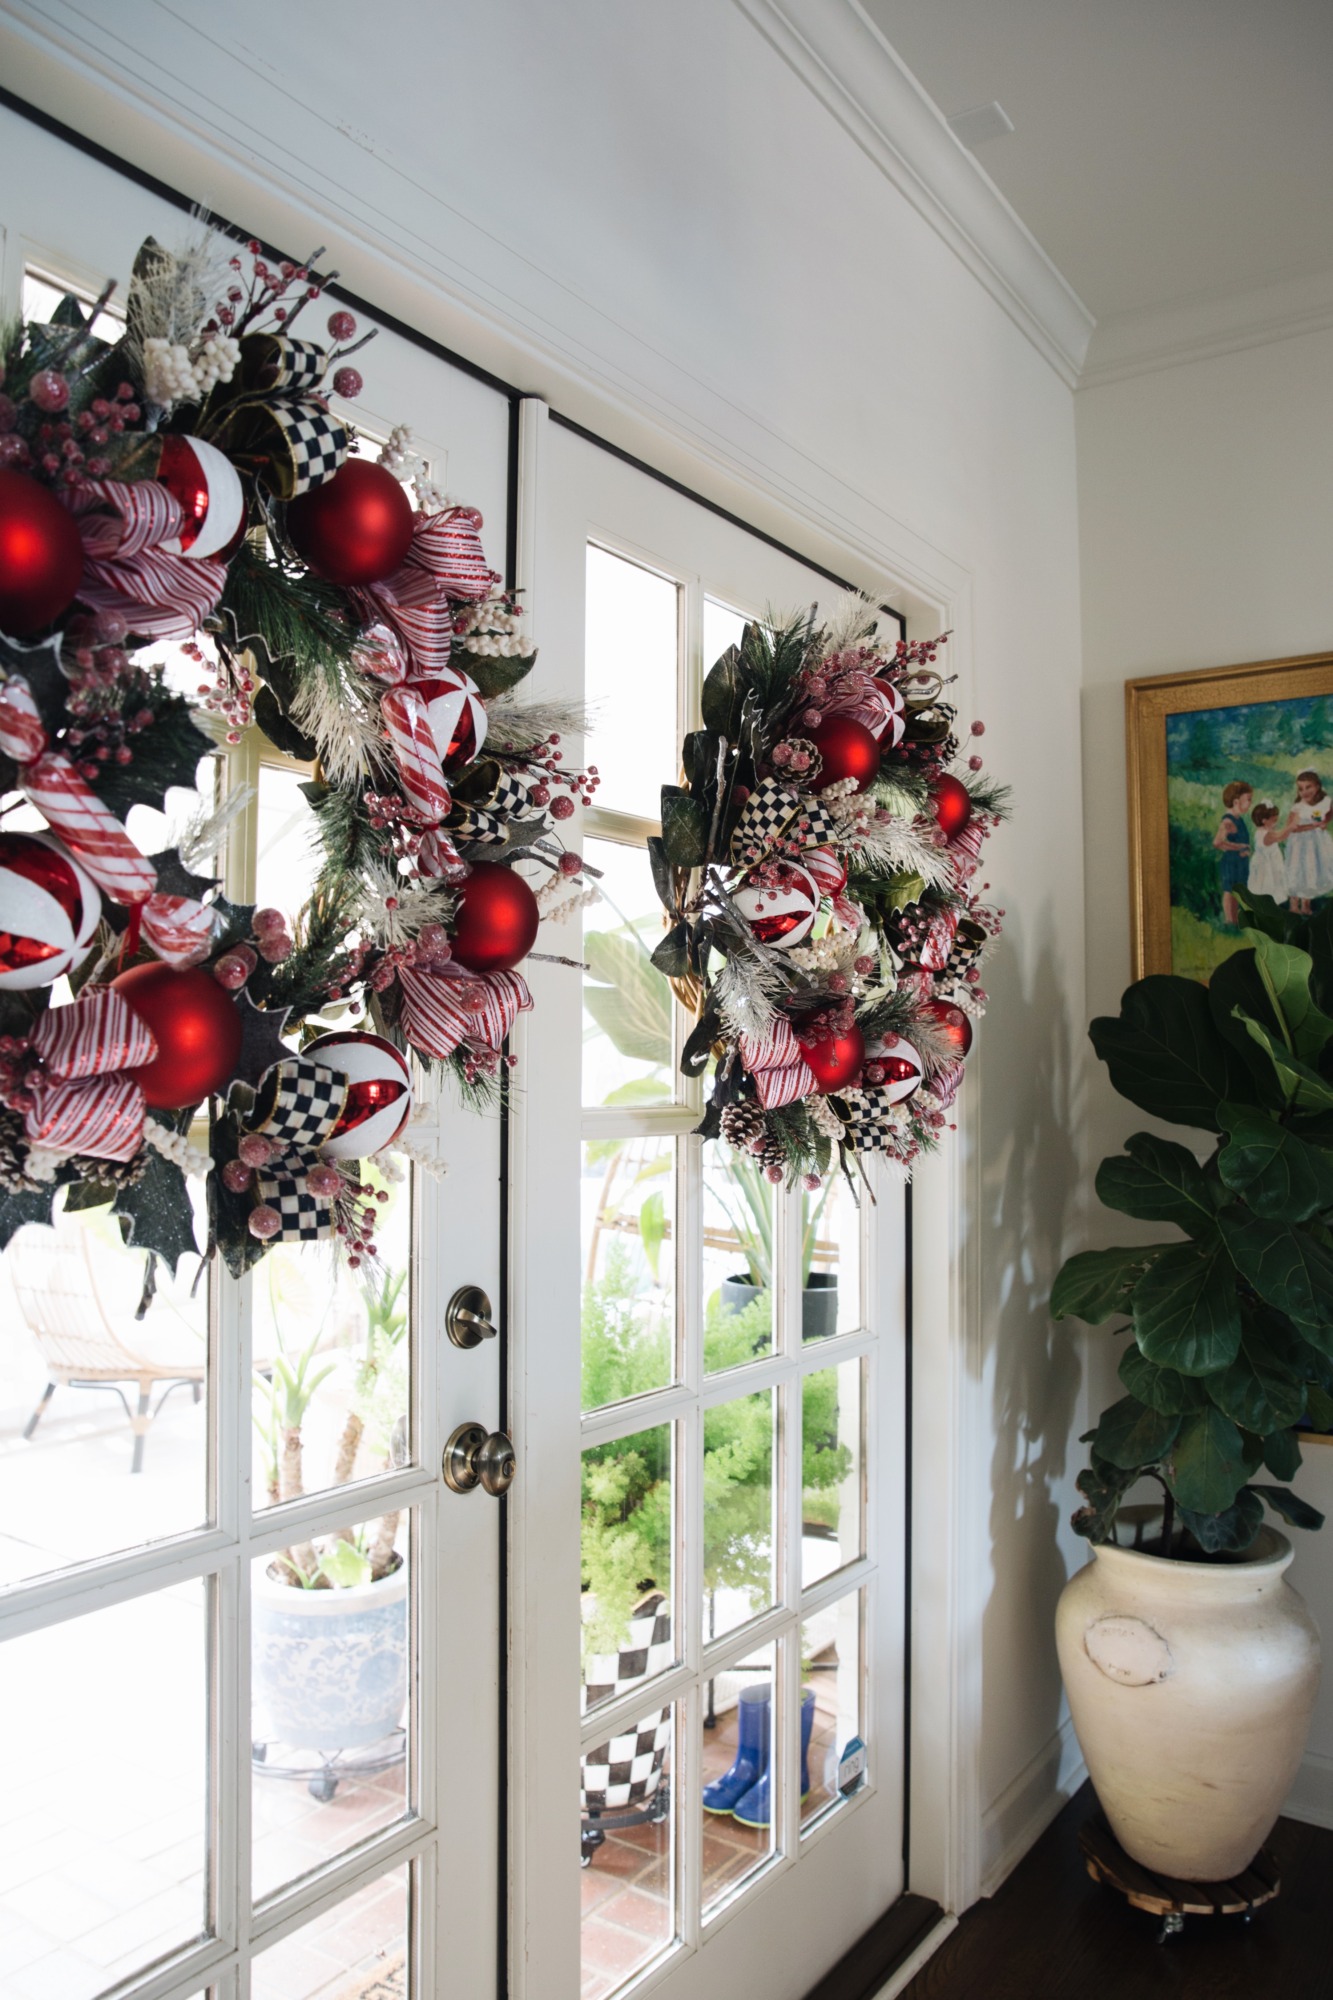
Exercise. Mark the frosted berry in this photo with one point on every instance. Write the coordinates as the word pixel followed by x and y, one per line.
pixel 49 390
pixel 267 920
pixel 347 382
pixel 255 1149
pixel 324 1181
pixel 265 1222
pixel 342 325
pixel 236 1176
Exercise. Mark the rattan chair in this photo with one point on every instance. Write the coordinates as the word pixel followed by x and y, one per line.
pixel 55 1283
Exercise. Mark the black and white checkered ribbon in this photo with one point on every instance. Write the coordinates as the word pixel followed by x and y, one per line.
pixel 300 1102
pixel 776 819
pixel 272 424
pixel 872 1127
pixel 488 824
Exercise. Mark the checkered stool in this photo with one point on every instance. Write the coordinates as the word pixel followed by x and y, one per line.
pixel 622 1782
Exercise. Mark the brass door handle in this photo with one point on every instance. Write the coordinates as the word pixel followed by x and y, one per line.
pixel 467 1317
pixel 472 1458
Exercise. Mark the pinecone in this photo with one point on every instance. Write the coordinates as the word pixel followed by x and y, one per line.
pixel 14 1177
pixel 744 1126
pixel 772 1157
pixel 114 1173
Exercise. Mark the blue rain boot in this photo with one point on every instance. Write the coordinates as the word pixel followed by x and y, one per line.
pixel 754 1809
pixel 752 1717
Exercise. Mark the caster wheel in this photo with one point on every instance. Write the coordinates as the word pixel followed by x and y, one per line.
pixel 322 1788
pixel 585 1861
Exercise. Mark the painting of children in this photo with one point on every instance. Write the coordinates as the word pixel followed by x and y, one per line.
pixel 1232 841
pixel 1310 856
pixel 1268 864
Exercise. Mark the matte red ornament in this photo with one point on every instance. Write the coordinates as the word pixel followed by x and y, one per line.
pixel 208 487
pixel 952 802
pixel 497 919
pixel 353 528
pixel 951 1022
pixel 41 555
pixel 195 1025
pixel 847 750
pixel 836 1063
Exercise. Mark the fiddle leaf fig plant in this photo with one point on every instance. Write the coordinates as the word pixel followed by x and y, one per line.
pixel 1230 1321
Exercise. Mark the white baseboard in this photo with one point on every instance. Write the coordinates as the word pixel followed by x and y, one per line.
pixel 1026 1808
pixel 1311 1797
pixel 911 1965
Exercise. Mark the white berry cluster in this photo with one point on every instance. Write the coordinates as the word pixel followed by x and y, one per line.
pixel 172 375
pixel 492 632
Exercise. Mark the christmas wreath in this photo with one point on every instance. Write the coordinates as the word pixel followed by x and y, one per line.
pixel 816 865
pixel 190 482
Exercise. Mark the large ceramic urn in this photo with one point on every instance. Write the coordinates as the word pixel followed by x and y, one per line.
pixel 1191 1686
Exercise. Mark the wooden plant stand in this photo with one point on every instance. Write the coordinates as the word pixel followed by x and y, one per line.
pixel 1172 1900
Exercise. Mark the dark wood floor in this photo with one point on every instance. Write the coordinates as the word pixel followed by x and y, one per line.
pixel 1050 1933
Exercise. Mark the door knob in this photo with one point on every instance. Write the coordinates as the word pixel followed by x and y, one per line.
pixel 471 1458
pixel 467 1317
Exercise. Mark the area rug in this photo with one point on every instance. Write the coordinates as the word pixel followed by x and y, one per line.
pixel 387 1982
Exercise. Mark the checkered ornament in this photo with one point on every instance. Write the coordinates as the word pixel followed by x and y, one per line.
pixel 300 1102
pixel 778 820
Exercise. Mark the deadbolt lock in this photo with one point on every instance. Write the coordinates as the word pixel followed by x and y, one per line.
pixel 467 1317
pixel 472 1458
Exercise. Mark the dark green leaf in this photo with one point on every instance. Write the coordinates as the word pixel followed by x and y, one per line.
pixel 281 732
pixel 1256 1392
pixel 1282 1454
pixel 1229 1531
pixel 699 1047
pixel 1186 1313
pixel 698 758
pixel 1165 1054
pixel 1206 1468
pixel 671 955
pixel 1130 1434
pixel 1302 1086
pixel 165 754
pixel 1285 972
pixel 1162 1389
pixel 1103 1488
pixel 1319 1409
pixel 1237 989
pixel 1287 1266
pixel 1265 915
pixel 155 1213
pixel 684 828
pixel 1094 1284
pixel 661 868
pixel 1158 1182
pixel 1280 1175
pixel 493 676
pixel 16 1209
pixel 1297 1513
pixel 724 691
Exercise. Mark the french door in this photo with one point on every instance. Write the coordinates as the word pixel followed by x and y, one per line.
pixel 178 1815
pixel 709 1376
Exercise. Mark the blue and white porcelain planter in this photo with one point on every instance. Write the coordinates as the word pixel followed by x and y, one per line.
pixel 329 1667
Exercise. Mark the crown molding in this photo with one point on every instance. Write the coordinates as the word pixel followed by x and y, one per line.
pixel 839 53
pixel 1197 329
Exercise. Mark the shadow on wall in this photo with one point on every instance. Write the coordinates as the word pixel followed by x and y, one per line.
pixel 1033 1198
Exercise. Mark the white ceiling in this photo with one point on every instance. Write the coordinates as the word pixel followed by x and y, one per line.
pixel 1162 148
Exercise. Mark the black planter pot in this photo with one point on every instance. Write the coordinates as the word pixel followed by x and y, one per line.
pixel 819 1301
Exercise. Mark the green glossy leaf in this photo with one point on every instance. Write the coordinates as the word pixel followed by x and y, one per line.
pixel 1237 989
pixel 1319 1409
pixel 1256 1392
pixel 345 1566
pixel 1158 1181
pixel 684 828
pixel 671 955
pixel 1279 1174
pixel 661 872
pixel 1163 1389
pixel 1286 972
pixel 1282 1454
pixel 1186 1312
pixel 1303 1086
pixel 1094 1284
pixel 698 1048
pixel 1103 1488
pixel 1130 1434
pixel 632 1004
pixel 1297 1513
pixel 1230 1531
pixel 1165 1054
pixel 725 687
pixel 1289 1268
pixel 1206 1468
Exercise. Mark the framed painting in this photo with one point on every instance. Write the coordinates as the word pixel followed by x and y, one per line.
pixel 1230 787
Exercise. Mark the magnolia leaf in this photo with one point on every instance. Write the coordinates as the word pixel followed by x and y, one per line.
pixel 1158 1182
pixel 1094 1284
pixel 1255 1392
pixel 1289 1268
pixel 1130 1434
pixel 684 828
pixel 671 955
pixel 1186 1312
pixel 1297 1513
pixel 1229 1531
pixel 1165 1054
pixel 1282 1454
pixel 1206 1468
pixel 1279 1174
pixel 1163 1389
pixel 280 731
pixel 699 1045
pixel 661 870
pixel 725 687
pixel 1285 972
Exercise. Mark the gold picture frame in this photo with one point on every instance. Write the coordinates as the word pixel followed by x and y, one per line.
pixel 1148 705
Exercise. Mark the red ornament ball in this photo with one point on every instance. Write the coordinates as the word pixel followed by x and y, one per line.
pixel 195 1026
pixel 48 911
pixel 893 1067
pixel 847 750
pixel 952 1023
pixel 836 1063
pixel 497 919
pixel 208 488
pixel 952 802
pixel 456 714
pixel 353 528
pixel 41 555
pixel 379 1092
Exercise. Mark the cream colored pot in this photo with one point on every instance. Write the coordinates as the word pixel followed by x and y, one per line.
pixel 1191 1687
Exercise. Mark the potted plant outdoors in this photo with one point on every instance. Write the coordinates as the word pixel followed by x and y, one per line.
pixel 1190 1663
pixel 329 1617
pixel 747 1201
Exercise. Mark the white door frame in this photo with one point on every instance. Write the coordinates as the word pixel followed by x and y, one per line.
pixel 73 67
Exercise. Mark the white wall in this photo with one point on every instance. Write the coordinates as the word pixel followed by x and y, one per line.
pixel 1206 528
pixel 645 215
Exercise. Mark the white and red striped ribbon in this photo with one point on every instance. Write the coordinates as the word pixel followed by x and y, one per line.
pixel 780 1071
pixel 438 856
pixel 103 1117
pixel 22 736
pixel 179 929
pixel 444 566
pixel 94 1036
pixel 440 1012
pixel 415 752
pixel 84 1104
pixel 123 525
pixel 938 941
pixel 965 850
